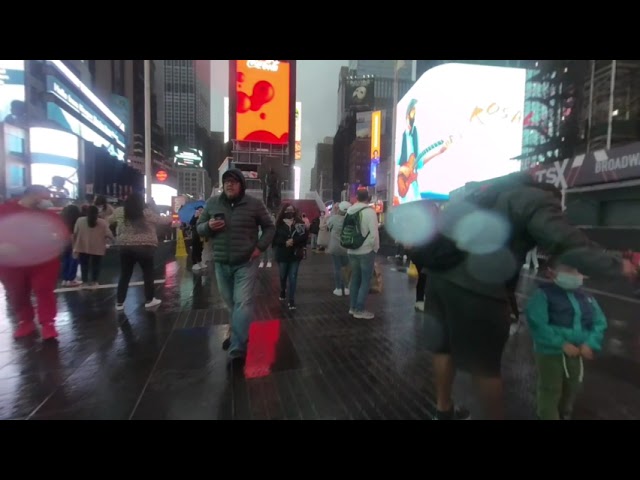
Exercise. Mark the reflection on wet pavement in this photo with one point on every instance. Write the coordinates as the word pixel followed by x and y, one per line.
pixel 319 363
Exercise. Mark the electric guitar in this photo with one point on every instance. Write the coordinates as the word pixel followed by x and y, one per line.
pixel 407 173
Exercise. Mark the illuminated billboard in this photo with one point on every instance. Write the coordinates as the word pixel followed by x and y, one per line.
pixel 111 137
pixel 376 122
pixel 458 123
pixel 298 131
pixel 187 157
pixel 54 161
pixel 262 101
pixel 12 107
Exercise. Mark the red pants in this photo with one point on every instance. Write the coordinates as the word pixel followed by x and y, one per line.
pixel 20 282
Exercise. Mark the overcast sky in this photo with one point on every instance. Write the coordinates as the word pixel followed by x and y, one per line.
pixel 317 89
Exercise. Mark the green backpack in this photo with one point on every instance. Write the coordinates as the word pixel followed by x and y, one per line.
pixel 351 236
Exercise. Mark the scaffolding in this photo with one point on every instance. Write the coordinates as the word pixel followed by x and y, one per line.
pixel 612 113
pixel 553 102
pixel 256 158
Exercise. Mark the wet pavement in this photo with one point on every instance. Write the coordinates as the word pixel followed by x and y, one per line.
pixel 168 363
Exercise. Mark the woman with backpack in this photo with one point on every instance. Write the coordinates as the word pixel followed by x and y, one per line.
pixel 289 245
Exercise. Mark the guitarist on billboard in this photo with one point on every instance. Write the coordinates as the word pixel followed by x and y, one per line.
pixel 411 159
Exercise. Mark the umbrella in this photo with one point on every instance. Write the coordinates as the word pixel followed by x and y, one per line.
pixel 189 209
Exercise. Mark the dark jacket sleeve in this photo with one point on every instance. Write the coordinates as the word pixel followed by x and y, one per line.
pixel 203 221
pixel 550 229
pixel 268 227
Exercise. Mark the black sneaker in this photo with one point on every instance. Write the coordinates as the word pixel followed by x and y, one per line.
pixel 292 306
pixel 283 296
pixel 457 413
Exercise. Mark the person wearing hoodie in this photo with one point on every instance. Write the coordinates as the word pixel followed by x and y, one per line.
pixel 232 222
pixel 362 259
pixel 337 252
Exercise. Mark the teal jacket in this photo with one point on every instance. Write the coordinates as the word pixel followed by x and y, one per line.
pixel 558 316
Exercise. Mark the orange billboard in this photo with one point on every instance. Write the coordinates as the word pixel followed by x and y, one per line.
pixel 263 101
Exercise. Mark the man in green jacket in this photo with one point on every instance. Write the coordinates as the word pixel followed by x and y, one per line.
pixel 232 221
pixel 468 305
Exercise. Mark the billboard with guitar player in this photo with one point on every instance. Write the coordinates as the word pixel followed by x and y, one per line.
pixel 458 123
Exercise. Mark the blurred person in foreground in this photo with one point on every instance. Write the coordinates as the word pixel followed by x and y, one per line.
pixel 468 295
pixel 567 326
pixel 232 221
pixel 40 279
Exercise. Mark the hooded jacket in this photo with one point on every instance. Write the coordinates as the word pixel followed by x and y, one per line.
pixel 534 216
pixel 244 216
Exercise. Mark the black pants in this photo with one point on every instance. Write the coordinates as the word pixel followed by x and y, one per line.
pixel 422 282
pixel 129 256
pixel 90 263
pixel 470 326
pixel 196 249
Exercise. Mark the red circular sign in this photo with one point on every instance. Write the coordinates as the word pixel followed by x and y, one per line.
pixel 161 175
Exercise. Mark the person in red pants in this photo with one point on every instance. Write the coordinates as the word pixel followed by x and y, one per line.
pixel 40 279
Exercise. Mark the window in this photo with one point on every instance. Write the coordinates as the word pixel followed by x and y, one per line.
pixel 16 176
pixel 15 144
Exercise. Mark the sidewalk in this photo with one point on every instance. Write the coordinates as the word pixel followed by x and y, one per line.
pixel 168 364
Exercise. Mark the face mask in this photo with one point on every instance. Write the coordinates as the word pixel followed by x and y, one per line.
pixel 568 281
pixel 44 204
pixel 289 215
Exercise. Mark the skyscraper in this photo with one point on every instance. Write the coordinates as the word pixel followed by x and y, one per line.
pixel 187 102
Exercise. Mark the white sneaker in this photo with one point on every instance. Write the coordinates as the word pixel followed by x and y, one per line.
pixel 363 315
pixel 419 306
pixel 346 291
pixel 351 311
pixel 337 292
pixel 119 307
pixel 196 268
pixel 153 303
pixel 269 265
pixel 261 265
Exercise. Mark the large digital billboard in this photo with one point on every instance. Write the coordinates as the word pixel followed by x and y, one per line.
pixel 12 107
pixel 298 132
pixel 458 123
pixel 262 101
pixel 376 125
pixel 112 138
pixel 54 161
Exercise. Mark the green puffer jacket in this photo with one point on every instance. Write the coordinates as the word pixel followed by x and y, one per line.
pixel 243 217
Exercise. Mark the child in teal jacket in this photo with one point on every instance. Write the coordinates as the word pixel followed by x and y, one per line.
pixel 567 326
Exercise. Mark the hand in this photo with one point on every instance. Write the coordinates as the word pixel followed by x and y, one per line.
pixel 586 352
pixel 570 350
pixel 216 225
pixel 256 253
pixel 290 242
pixel 629 270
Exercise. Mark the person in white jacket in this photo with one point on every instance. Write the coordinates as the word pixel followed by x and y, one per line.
pixel 362 259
